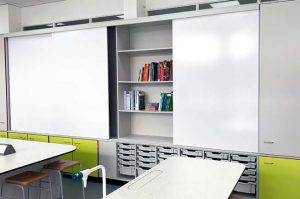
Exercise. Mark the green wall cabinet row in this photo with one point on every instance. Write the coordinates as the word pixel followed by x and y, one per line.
pixel 3 134
pixel 279 178
pixel 86 150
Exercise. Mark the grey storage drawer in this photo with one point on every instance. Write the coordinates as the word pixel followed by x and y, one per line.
pixel 146 165
pixel 126 157
pixel 243 158
pixel 146 159
pixel 127 170
pixel 126 162
pixel 126 146
pixel 249 187
pixel 140 171
pixel 168 150
pixel 146 153
pixel 191 153
pixel 216 155
pixel 145 148
pixel 191 156
pixel 125 151
pixel 248 165
pixel 250 172
pixel 165 155
pixel 248 178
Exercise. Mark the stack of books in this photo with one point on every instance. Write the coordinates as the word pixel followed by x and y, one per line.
pixel 134 100
pixel 162 71
pixel 152 106
pixel 166 102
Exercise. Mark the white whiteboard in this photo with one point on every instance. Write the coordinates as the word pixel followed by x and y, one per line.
pixel 216 81
pixel 59 83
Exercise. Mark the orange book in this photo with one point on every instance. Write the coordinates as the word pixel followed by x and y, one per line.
pixel 146 72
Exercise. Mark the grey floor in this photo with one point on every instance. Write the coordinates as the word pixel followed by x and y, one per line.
pixel 72 190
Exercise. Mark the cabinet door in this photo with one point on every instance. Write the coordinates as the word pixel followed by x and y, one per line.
pixel 38 138
pixel 18 136
pixel 216 81
pixel 63 140
pixel 279 79
pixel 86 153
pixel 279 178
pixel 3 134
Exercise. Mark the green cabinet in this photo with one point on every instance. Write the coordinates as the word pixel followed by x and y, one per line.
pixel 3 134
pixel 279 178
pixel 18 136
pixel 38 138
pixel 86 153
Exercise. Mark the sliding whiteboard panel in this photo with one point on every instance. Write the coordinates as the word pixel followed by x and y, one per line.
pixel 59 83
pixel 216 81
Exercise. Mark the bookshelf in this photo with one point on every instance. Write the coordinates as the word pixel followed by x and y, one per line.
pixel 136 45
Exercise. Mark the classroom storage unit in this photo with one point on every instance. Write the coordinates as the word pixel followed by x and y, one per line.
pixel 279 82
pixel 279 178
pixel 38 138
pixel 126 154
pixel 18 136
pixel 137 45
pixel 3 134
pixel 146 158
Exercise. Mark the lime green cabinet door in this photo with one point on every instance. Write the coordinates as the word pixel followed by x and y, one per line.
pixel 18 136
pixel 38 138
pixel 86 153
pixel 279 178
pixel 3 134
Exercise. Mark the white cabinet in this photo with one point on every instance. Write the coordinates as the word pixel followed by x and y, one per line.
pixel 216 81
pixel 280 82
pixel 3 123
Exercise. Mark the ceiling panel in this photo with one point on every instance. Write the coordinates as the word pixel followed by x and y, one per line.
pixel 25 3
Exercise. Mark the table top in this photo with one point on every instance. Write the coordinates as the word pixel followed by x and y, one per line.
pixel 29 152
pixel 181 178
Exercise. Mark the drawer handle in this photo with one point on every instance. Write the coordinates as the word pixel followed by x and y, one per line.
pixel 269 163
pixel 268 142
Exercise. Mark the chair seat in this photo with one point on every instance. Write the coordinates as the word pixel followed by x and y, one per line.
pixel 26 178
pixel 61 165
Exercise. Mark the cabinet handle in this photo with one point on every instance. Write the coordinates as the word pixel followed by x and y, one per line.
pixel 67 142
pixel 269 163
pixel 269 142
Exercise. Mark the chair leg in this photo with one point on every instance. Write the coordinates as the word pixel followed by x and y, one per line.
pixel 83 189
pixel 61 185
pixel 50 187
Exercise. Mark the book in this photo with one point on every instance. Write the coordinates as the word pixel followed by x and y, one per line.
pixel 134 100
pixel 156 71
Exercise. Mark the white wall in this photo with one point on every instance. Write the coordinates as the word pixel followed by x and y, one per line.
pixel 4 21
pixel 69 10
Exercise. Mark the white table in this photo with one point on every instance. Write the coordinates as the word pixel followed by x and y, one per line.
pixel 183 178
pixel 29 152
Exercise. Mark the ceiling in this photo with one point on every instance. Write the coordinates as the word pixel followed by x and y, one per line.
pixel 24 3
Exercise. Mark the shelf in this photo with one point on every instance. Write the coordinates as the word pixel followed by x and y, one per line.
pixel 149 50
pixel 146 139
pixel 147 112
pixel 145 82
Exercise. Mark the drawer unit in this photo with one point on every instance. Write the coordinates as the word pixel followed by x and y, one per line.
pixel 246 187
pixel 126 146
pixel 126 170
pixel 216 156
pixel 146 159
pixel 191 153
pixel 126 162
pixel 146 148
pixel 250 172
pixel 243 158
pixel 126 159
pixel 140 170
pixel 168 150
pixel 146 153
pixel 248 178
pixel 248 165
pixel 164 156
pixel 145 165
